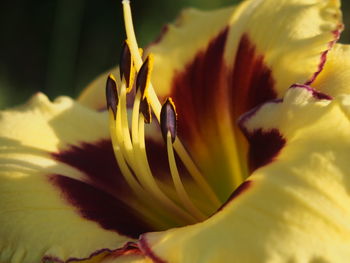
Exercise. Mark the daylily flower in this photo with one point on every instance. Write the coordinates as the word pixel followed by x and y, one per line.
pixel 235 166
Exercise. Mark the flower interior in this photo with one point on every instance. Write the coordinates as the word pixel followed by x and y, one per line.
pixel 181 201
pixel 236 145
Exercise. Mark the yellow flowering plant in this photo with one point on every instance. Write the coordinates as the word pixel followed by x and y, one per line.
pixel 226 140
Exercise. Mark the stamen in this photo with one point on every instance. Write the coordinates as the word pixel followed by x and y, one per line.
pixel 135 118
pixel 129 147
pixel 168 127
pixel 139 162
pixel 112 102
pixel 147 174
pixel 156 107
pixel 112 94
pixel 140 192
pixel 145 184
pixel 144 76
pixel 132 157
pixel 180 189
pixel 126 66
pixel 124 125
pixel 168 120
pixel 142 82
pixel 145 109
pixel 129 28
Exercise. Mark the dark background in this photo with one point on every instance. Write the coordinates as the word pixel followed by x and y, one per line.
pixel 59 46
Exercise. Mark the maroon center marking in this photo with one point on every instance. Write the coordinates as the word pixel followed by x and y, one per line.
pixel 206 86
pixel 264 147
pixel 96 205
pixel 251 82
pixel 194 89
pixel 99 197
pixel 96 160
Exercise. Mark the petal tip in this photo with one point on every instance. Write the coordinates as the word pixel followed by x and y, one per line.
pixel 314 93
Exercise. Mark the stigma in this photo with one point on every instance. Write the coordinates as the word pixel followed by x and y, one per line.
pixel 127 130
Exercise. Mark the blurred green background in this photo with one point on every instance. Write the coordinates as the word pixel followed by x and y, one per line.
pixel 59 46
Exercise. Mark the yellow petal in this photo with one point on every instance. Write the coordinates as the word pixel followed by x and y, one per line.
pixel 181 41
pixel 335 76
pixel 294 208
pixel 54 203
pixel 52 126
pixel 235 59
pixel 289 35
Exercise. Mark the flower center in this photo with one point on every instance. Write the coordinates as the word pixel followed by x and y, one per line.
pixel 128 138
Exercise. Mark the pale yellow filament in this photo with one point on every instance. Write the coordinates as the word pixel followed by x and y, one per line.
pixel 124 125
pixel 150 183
pixel 135 119
pixel 120 159
pixel 180 189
